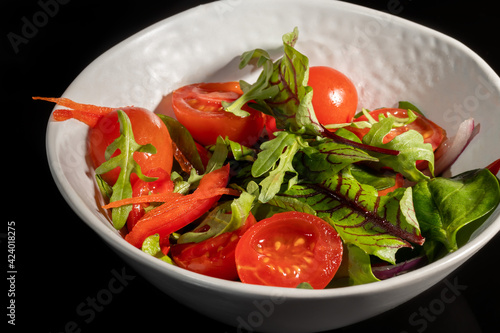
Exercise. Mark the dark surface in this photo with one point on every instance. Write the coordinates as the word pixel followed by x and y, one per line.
pixel 62 264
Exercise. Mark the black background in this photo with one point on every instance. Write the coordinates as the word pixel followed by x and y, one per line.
pixel 61 262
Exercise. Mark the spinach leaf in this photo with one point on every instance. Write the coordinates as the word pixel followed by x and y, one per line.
pixel 445 205
pixel 359 266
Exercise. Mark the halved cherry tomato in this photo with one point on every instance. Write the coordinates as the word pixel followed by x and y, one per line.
pixel 287 249
pixel 335 98
pixel 431 132
pixel 198 107
pixel 147 128
pixel 140 188
pixel 214 256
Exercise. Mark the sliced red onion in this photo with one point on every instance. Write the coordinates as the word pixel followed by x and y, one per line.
pixel 388 271
pixel 450 150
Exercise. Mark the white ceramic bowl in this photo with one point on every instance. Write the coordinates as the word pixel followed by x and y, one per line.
pixel 388 58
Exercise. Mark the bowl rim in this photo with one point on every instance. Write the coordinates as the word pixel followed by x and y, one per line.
pixel 118 243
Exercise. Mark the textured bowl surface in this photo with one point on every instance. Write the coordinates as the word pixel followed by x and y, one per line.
pixel 388 59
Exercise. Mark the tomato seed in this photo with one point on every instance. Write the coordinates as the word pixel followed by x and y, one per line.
pixel 299 241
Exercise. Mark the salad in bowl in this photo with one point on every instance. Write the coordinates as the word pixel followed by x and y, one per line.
pixel 281 181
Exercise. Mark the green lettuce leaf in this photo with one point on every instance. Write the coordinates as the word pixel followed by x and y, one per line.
pixel 445 205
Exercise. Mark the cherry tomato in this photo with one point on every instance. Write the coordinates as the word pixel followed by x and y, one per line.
pixel 214 256
pixel 140 188
pixel 287 249
pixel 147 128
pixel 198 107
pixel 431 132
pixel 335 98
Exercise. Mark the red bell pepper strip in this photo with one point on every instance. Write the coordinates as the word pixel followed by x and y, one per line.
pixel 86 113
pixel 179 212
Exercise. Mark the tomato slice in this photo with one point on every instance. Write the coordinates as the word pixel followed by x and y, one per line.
pixel 287 249
pixel 335 98
pixel 147 128
pixel 198 107
pixel 213 257
pixel 431 132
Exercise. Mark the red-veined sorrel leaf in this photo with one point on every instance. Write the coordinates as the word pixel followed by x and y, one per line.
pixel 378 225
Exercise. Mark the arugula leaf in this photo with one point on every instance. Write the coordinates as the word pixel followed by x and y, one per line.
pixel 215 162
pixel 219 221
pixel 281 149
pixel 444 206
pixel 410 144
pixel 378 225
pixel 125 160
pixel 240 152
pixel 260 90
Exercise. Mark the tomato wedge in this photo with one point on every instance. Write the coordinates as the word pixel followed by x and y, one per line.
pixel 198 107
pixel 431 132
pixel 179 212
pixel 288 249
pixel 213 257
